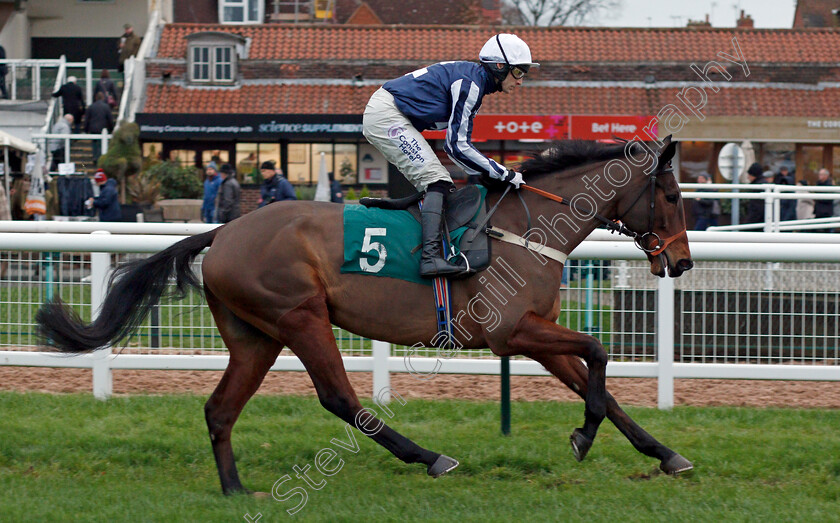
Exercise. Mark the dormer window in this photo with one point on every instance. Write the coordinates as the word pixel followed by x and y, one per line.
pixel 241 11
pixel 212 57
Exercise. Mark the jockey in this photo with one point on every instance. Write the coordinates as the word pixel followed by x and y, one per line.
pixel 446 95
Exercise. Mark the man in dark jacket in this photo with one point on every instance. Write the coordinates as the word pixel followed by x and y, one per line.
pixel 227 201
pixel 107 202
pixel 129 45
pixel 98 118
pixel 706 210
pixel 275 188
pixel 824 208
pixel 787 208
pixel 336 194
pixel 755 208
pixel 3 70
pixel 73 101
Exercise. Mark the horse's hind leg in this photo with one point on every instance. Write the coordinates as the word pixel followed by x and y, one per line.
pixel 307 331
pixel 542 340
pixel 252 353
pixel 571 371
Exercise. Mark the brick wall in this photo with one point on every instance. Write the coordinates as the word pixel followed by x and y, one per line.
pixel 250 197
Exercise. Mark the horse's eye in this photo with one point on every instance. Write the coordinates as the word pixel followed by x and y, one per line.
pixel 672 198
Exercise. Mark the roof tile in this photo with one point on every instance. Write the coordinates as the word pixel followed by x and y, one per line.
pixel 346 99
pixel 548 44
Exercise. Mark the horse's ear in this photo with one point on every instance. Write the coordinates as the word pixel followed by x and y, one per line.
pixel 668 151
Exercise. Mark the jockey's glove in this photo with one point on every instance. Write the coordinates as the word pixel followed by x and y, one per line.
pixel 514 178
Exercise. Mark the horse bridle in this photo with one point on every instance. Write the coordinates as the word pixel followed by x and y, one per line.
pixel 616 226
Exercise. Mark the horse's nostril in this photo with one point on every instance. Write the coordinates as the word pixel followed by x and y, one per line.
pixel 685 264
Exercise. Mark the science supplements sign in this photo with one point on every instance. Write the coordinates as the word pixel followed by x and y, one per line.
pixel 555 127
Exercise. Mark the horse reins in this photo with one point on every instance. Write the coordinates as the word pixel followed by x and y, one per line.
pixel 616 226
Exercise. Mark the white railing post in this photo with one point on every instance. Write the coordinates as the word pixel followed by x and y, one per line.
pixel 14 81
pixel 381 377
pixel 100 264
pixel 104 141
pixel 89 81
pixel 36 82
pixel 665 342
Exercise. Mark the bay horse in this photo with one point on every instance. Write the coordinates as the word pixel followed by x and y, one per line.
pixel 272 280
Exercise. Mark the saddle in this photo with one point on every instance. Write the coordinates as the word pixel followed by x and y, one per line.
pixel 466 207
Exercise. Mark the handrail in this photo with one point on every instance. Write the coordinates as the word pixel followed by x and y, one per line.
pixel 52 108
pixel 135 76
pixel 127 94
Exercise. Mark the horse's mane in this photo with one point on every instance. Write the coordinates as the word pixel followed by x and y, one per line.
pixel 566 154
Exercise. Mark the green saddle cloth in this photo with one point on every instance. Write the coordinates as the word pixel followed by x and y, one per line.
pixel 380 242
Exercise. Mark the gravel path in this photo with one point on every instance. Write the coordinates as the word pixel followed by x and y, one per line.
pixel 628 391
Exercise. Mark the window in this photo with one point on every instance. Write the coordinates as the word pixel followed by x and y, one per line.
pixel 201 64
pixel 212 56
pixel 212 64
pixel 241 11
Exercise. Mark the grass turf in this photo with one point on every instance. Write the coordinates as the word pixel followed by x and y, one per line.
pixel 144 458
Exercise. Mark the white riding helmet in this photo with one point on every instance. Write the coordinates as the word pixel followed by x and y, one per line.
pixel 507 49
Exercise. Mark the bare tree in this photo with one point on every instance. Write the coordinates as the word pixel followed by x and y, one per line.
pixel 553 12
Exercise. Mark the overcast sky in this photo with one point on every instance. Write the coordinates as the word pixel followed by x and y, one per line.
pixel 675 13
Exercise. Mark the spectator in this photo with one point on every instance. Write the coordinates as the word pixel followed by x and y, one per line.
pixel 57 145
pixel 98 118
pixel 72 101
pixel 805 206
pixel 129 45
pixel 211 189
pixel 755 208
pixel 824 208
pixel 106 86
pixel 107 201
pixel 706 210
pixel 336 194
pixel 275 188
pixel 787 208
pixel 3 70
pixel 227 202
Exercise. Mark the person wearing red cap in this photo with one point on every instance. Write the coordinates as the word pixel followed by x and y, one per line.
pixel 107 202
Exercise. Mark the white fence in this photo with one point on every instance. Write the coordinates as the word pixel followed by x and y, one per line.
pixel 773 195
pixel 29 77
pixel 639 318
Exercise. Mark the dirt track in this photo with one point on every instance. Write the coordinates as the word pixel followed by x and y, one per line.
pixel 628 391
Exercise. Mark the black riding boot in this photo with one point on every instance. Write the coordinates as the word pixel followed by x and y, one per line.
pixel 432 263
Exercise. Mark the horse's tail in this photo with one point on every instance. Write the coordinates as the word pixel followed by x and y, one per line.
pixel 134 289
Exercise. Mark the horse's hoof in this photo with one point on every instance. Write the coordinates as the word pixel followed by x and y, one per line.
pixel 441 466
pixel 580 444
pixel 675 465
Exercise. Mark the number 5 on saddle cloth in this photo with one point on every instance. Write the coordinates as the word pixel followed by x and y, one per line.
pixel 383 237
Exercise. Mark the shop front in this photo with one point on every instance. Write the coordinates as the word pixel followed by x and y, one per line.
pixel 299 143
pixel 803 145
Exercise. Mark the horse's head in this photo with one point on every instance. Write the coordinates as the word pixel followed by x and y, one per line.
pixel 660 223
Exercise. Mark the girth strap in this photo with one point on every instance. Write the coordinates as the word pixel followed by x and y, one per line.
pixel 515 239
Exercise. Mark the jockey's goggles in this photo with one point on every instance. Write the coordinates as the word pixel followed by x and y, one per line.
pixel 519 71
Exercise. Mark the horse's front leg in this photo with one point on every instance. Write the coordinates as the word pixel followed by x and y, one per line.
pixel 542 340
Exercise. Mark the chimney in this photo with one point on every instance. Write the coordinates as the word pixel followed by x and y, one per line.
pixel 745 22
pixel 491 12
pixel 699 23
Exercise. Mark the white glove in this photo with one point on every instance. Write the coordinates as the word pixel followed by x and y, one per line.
pixel 514 178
